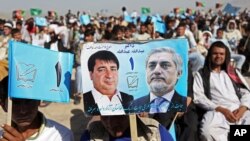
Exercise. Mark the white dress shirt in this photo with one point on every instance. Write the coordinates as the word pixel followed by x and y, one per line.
pixel 108 106
pixel 222 93
pixel 164 106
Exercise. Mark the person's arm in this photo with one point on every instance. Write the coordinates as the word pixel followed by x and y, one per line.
pixel 245 97
pixel 191 39
pixel 245 103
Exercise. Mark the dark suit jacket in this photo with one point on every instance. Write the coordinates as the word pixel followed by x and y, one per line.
pixel 91 108
pixel 177 104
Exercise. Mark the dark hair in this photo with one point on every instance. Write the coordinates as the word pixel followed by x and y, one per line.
pixel 182 24
pixel 220 29
pixel 208 60
pixel 102 55
pixel 89 32
pixel 14 31
pixel 19 22
pixel 2 21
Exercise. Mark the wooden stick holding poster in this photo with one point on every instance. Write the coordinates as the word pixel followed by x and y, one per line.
pixel 133 127
pixel 9 113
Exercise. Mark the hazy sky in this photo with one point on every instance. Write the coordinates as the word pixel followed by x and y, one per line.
pixel 113 6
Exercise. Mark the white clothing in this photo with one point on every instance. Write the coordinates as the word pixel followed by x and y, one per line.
pixel 139 37
pixel 222 93
pixel 51 131
pixel 39 39
pixel 54 46
pixel 233 35
pixel 191 40
pixel 25 35
pixel 78 80
pixel 214 126
pixel 4 45
pixel 108 106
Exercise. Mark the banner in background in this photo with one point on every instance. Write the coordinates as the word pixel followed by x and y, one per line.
pixel 231 9
pixel 84 19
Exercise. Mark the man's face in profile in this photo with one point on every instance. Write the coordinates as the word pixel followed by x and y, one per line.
pixel 105 76
pixel 161 73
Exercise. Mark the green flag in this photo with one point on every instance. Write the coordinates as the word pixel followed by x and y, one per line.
pixel 35 12
pixel 182 11
pixel 145 10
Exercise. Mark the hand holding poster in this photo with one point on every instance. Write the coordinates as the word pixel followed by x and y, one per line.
pixel 154 74
pixel 38 73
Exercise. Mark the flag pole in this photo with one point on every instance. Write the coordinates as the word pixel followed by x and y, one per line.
pixel 9 112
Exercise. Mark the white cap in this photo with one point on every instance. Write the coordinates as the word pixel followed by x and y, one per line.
pixel 8 25
pixel 72 20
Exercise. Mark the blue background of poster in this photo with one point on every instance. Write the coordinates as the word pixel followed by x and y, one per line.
pixel 33 74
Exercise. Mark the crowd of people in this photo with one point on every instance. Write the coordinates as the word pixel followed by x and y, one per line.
pixel 218 55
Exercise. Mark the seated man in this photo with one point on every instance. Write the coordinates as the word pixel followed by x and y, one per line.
pixel 114 128
pixel 28 123
pixel 222 93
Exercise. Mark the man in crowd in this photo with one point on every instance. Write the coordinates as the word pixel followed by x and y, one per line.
pixel 105 98
pixel 17 36
pixel 24 32
pixel 2 22
pixel 88 37
pixel 142 35
pixel 28 123
pixel 222 93
pixel 4 40
pixel 233 35
pixel 195 58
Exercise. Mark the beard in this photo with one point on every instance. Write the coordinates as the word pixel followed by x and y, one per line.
pixel 159 88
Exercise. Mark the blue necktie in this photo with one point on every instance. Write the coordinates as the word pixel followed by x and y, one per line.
pixel 159 105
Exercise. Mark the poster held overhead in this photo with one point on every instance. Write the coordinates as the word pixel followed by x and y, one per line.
pixel 117 77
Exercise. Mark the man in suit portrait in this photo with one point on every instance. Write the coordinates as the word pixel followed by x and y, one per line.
pixel 163 69
pixel 105 98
